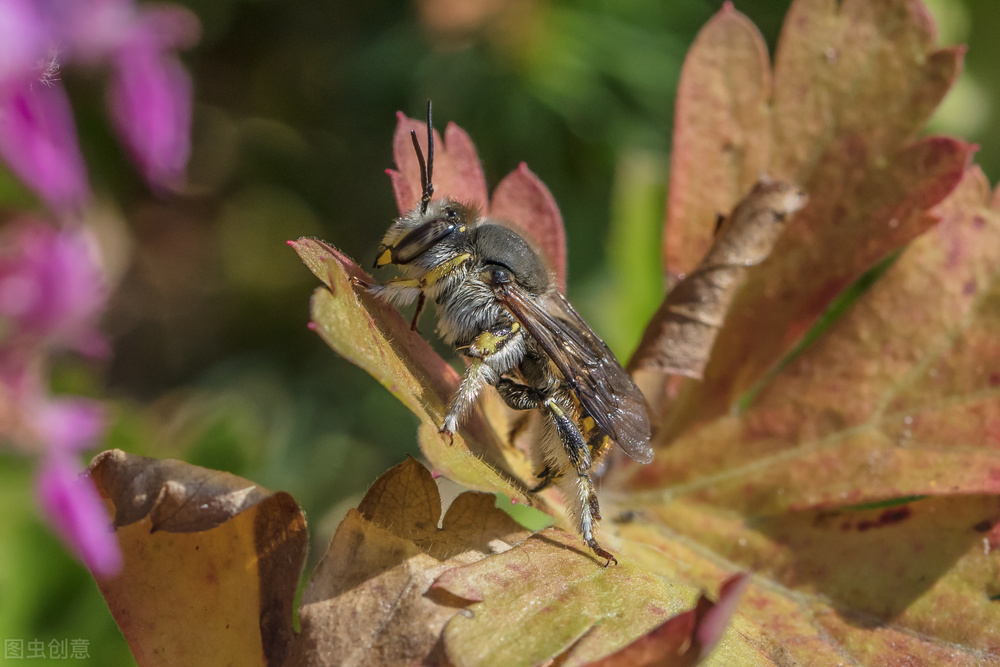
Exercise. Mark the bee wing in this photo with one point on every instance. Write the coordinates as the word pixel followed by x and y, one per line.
pixel 604 389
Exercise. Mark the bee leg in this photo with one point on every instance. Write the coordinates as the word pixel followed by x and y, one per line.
pixel 590 515
pixel 399 291
pixel 578 451
pixel 477 375
pixel 548 476
pixel 487 365
pixel 416 314
pixel 522 397
pixel 519 396
pixel 570 436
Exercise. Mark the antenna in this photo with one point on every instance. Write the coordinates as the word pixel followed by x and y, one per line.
pixel 426 169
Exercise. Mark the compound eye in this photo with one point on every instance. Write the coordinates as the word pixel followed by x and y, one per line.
pixel 498 275
pixel 420 240
pixel 451 215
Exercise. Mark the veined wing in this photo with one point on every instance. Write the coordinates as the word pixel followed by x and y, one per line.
pixel 604 389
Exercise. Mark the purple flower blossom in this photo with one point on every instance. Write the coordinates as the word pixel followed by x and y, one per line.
pixel 51 294
pixel 150 94
pixel 52 291
pixel 38 141
pixel 23 42
pixel 74 509
pixel 150 100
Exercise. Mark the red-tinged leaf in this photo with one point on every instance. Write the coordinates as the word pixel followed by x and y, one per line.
pixel 721 142
pixel 373 336
pixel 897 399
pixel 836 62
pixel 211 562
pixel 908 584
pixel 854 67
pixel 685 639
pixel 551 598
pixel 457 171
pixel 523 200
pixel 823 250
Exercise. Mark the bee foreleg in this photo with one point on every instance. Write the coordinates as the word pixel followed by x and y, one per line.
pixel 399 292
pixel 477 375
pixel 420 308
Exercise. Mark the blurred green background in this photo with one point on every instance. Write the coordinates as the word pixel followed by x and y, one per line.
pixel 295 111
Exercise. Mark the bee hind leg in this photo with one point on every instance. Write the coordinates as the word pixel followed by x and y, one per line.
pixel 578 452
pixel 522 397
pixel 548 476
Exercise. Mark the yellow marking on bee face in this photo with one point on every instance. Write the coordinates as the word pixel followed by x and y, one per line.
pixel 462 228
pixel 384 258
pixel 442 270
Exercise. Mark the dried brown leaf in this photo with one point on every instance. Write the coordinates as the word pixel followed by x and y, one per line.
pixel 680 336
pixel 369 602
pixel 211 562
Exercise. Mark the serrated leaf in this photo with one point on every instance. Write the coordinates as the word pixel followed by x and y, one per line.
pixel 550 597
pixel 895 400
pixel 856 400
pixel 826 136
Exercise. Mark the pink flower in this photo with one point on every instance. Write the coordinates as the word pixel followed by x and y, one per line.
pixel 150 96
pixel 52 292
pixel 23 39
pixel 74 509
pixel 150 99
pixel 51 295
pixel 38 140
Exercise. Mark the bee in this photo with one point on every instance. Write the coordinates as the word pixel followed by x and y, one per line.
pixel 498 304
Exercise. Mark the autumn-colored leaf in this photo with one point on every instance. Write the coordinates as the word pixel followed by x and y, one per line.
pixel 864 476
pixel 893 393
pixel 369 601
pixel 211 562
pixel 839 69
pixel 373 335
pixel 685 639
